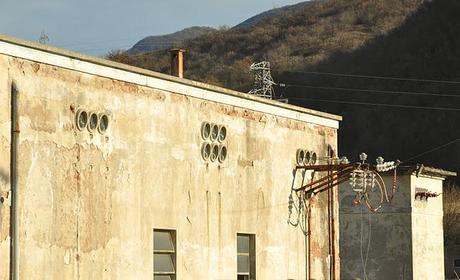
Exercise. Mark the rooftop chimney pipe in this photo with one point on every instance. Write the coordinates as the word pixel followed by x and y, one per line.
pixel 177 62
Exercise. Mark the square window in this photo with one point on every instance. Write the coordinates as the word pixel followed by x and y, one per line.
pixel 457 263
pixel 246 256
pixel 164 254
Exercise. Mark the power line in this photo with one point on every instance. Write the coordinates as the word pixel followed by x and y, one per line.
pixel 371 90
pixel 376 77
pixel 432 150
pixel 376 104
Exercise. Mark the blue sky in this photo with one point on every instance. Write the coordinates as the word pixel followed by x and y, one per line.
pixel 97 26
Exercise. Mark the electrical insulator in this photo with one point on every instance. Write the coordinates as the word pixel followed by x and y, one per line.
pixel 353 179
pixel 373 180
pixel 344 160
pixel 358 180
pixel 291 202
pixel 369 179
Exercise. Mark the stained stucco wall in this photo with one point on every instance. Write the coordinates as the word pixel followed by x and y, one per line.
pixel 4 170
pixel 89 202
pixel 427 230
pixel 406 235
pixel 383 238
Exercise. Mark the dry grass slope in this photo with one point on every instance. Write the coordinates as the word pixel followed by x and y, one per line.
pixel 290 41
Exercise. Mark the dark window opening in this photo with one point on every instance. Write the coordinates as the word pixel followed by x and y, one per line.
pixel 246 256
pixel 164 254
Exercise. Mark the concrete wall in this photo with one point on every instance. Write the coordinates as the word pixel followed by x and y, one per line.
pixel 4 170
pixel 89 202
pixel 427 230
pixel 384 236
pixel 406 236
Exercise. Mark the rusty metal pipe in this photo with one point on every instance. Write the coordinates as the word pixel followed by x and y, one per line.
pixel 329 214
pixel 326 167
pixel 308 235
pixel 325 178
pixel 341 177
pixel 339 181
pixel 14 222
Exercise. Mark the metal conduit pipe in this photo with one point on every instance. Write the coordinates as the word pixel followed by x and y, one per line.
pixel 14 220
pixel 308 243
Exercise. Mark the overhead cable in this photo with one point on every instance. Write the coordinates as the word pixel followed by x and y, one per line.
pixel 375 77
pixel 432 150
pixel 370 90
pixel 376 104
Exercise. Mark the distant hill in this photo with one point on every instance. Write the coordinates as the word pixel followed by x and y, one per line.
pixel 386 38
pixel 302 36
pixel 152 43
pixel 270 13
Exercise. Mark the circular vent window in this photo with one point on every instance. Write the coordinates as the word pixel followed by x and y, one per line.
pixel 214 152
pixel 313 158
pixel 81 119
pixel 222 134
pixel 214 132
pixel 103 123
pixel 222 154
pixel 205 130
pixel 93 122
pixel 205 151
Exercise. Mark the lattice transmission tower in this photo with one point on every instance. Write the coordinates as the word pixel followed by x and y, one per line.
pixel 44 39
pixel 263 81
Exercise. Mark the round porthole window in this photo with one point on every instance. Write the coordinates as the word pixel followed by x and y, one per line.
pixel 222 153
pixel 214 152
pixel 205 130
pixel 222 133
pixel 307 157
pixel 214 132
pixel 205 151
pixel 300 156
pixel 313 158
pixel 93 121
pixel 81 119
pixel 103 123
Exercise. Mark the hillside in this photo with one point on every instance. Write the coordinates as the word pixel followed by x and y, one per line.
pixel 425 46
pixel 291 40
pixel 270 13
pixel 152 43
pixel 408 39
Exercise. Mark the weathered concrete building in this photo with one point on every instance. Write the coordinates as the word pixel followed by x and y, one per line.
pixel 110 172
pixel 404 239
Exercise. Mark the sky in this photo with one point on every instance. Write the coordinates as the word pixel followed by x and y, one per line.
pixel 97 26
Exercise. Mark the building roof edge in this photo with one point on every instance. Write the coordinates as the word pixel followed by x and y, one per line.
pixel 150 73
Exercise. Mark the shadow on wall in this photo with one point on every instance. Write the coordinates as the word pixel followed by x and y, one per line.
pixel 298 209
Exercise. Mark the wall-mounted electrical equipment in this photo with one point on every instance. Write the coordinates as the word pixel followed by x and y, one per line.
pixel 213 147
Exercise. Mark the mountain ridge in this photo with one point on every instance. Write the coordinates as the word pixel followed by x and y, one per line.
pixel 157 42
